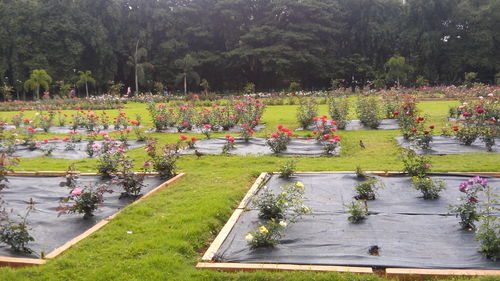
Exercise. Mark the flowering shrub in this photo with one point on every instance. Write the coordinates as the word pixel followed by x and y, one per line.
pixel 415 165
pixel 246 132
pixel 16 233
pixel 267 234
pixel 228 145
pixel 330 143
pixel 488 137
pixel 93 103
pixel 132 183
pixel 467 135
pixel 488 233
pixel 430 189
pixel 7 164
pixel 287 170
pixel 367 190
pixel 339 109
pixel 358 210
pixel 164 163
pixel 190 142
pixel 323 127
pixel 207 130
pixel 108 162
pixel 307 109
pixel 368 110
pixel 422 136
pixel 467 209
pixel 279 140
pixel 84 200
pixel 286 205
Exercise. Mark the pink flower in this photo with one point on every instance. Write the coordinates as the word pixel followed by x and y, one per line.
pixel 193 139
pixel 46 140
pixel 185 124
pixel 38 144
pixel 274 135
pixel 231 139
pixel 183 137
pixel 96 147
pixel 280 127
pixel 315 118
pixel 466 114
pixel 472 199
pixel 77 191
pixel 289 133
pixel 334 129
pixel 336 138
pixel 148 163
pixel 207 126
pixel 331 140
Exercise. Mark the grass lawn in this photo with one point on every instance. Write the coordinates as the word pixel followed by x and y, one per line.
pixel 172 228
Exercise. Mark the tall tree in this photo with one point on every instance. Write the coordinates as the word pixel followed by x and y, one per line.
pixel 187 65
pixel 39 78
pixel 85 78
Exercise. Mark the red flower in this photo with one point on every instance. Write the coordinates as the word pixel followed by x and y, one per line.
pixel 413 130
pixel 315 118
pixel 46 140
pixel 231 139
pixel 333 122
pixel 479 110
pixel 455 128
pixel 274 135
pixel 472 199
pixel 193 139
pixel 185 124
pixel 426 132
pixel 431 127
pixel 56 138
pixel 280 127
pixel 396 113
pixel 289 133
pixel 315 132
pixel 334 129
pixel 183 137
pixel 336 138
pixel 466 114
pixel 327 136
pixel 420 118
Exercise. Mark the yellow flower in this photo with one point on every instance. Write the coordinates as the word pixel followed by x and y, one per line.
pixel 283 223
pixel 263 229
pixel 299 184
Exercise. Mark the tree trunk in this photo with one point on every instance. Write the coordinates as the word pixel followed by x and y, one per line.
pixel 185 83
pixel 135 64
pixel 37 93
pixel 87 89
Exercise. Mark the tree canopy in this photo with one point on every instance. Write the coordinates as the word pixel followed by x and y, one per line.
pixel 230 43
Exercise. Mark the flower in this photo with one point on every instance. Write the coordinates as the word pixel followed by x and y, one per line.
pixel 147 163
pixel 193 139
pixel 306 209
pixel 431 127
pixel 46 140
pixel 263 229
pixel 283 223
pixel 466 114
pixel 274 135
pixel 413 130
pixel 38 144
pixel 299 184
pixel 396 113
pixel 455 128
pixel 207 126
pixel 183 137
pixel 472 199
pixel 77 191
pixel 315 132
pixel 463 187
pixel 249 238
pixel 231 139
pixel 96 147
pixel 426 132
pixel 479 110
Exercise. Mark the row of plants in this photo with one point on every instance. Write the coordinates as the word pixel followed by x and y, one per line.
pixel 102 102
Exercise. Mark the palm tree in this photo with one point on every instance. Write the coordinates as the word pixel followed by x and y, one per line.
pixel 140 66
pixel 39 78
pixel 85 77
pixel 187 65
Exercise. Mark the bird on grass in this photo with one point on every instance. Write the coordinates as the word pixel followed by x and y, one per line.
pixel 361 144
pixel 199 154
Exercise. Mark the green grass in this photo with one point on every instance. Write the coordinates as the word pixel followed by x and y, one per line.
pixel 172 228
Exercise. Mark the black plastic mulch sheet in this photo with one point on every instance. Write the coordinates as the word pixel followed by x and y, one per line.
pixel 257 146
pixel 49 230
pixel 385 124
pixel 195 129
pixel 442 145
pixel 67 128
pixel 409 231
pixel 60 151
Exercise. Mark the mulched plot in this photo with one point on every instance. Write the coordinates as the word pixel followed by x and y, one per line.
pixel 442 145
pixel 49 230
pixel 198 130
pixel 257 146
pixel 408 230
pixel 61 152
pixel 352 125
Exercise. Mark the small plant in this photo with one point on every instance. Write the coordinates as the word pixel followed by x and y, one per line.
pixel 286 205
pixel 429 188
pixel 488 137
pixel 228 145
pixel 139 134
pixel 367 190
pixel 190 142
pixel 307 109
pixel 16 234
pixel 108 162
pixel 467 209
pixel 132 183
pixel 164 163
pixel 207 130
pixel 84 200
pixel 368 109
pixel 279 140
pixel 267 235
pixel 360 174
pixel 287 170
pixel 415 165
pixel 467 135
pixel 339 109
pixel 7 164
pixel 330 144
pixel 358 210
pixel 246 132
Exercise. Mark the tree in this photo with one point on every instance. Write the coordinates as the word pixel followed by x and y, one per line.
pixel 187 65
pixel 397 69
pixel 39 78
pixel 85 78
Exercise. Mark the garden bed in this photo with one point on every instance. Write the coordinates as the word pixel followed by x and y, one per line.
pixel 442 145
pixel 411 233
pixel 60 151
pixel 199 130
pixel 257 146
pixel 55 234
pixel 352 125
pixel 68 129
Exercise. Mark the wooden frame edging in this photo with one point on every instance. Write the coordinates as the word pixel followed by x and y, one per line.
pixel 20 262
pixel 400 273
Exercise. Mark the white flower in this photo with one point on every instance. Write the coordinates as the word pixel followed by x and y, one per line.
pixel 249 238
pixel 283 223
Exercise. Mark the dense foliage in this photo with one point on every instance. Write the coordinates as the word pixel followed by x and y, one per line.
pixel 229 43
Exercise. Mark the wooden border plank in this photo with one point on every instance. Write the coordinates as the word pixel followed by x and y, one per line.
pixel 244 202
pixel 221 237
pixel 20 262
pixel 411 273
pixel 231 267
